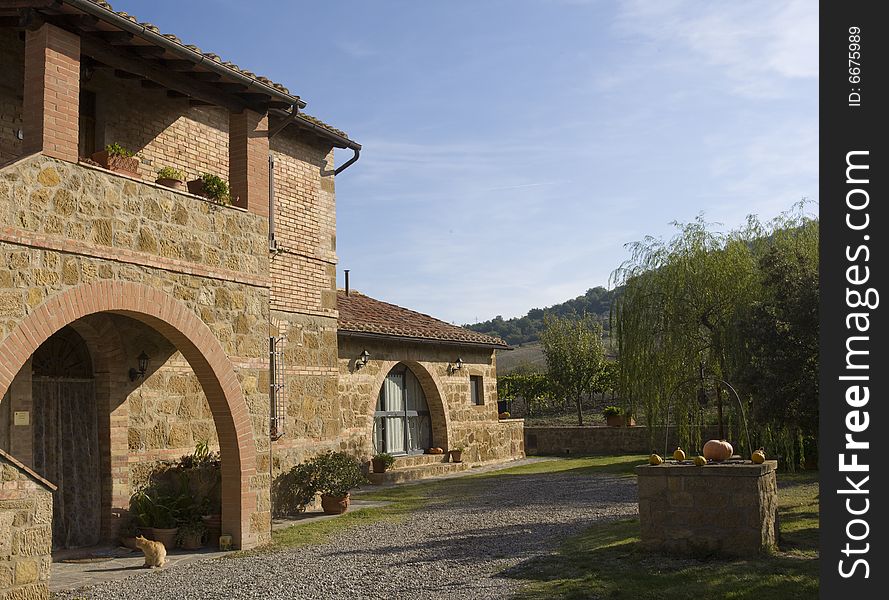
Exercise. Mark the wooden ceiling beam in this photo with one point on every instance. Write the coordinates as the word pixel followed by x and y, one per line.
pixel 115 37
pixel 229 87
pixel 148 51
pixel 178 65
pixel 150 70
pixel 16 4
pixel 205 76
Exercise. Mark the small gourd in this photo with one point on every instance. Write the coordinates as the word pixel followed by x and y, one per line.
pixel 700 461
pixel 655 459
pixel 718 450
pixel 679 454
pixel 759 456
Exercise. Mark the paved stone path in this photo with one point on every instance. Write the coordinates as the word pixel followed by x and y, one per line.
pixel 455 548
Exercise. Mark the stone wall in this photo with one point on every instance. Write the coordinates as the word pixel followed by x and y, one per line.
pixel 455 420
pixel 314 420
pixel 599 439
pixel 12 49
pixel 63 226
pixel 728 509
pixel 25 532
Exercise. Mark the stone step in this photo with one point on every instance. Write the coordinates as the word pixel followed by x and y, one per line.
pixel 415 460
pixel 422 471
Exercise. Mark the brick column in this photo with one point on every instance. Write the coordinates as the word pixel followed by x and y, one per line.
pixel 52 92
pixel 248 159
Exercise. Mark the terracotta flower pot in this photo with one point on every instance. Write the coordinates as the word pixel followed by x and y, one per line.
pixel 614 420
pixel 172 184
pixel 167 537
pixel 196 187
pixel 192 541
pixel 456 456
pixel 334 505
pixel 126 165
pixel 129 542
pixel 378 465
pixel 214 528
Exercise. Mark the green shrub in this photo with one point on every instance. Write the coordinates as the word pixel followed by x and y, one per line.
pixel 116 149
pixel 215 188
pixel 337 473
pixel 612 411
pixel 295 490
pixel 171 173
pixel 387 459
pixel 156 510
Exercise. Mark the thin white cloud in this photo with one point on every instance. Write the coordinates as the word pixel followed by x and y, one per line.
pixel 756 44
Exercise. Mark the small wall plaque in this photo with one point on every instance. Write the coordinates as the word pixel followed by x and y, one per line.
pixel 21 417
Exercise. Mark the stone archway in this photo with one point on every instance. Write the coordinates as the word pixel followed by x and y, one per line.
pixel 432 390
pixel 191 336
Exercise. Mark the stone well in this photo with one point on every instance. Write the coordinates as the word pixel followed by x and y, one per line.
pixel 725 508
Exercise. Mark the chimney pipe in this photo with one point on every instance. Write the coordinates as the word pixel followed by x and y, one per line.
pixel 346 271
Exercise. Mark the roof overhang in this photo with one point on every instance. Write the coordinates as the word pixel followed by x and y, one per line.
pixel 139 51
pixel 419 340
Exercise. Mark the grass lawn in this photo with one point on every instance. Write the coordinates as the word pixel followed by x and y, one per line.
pixel 606 561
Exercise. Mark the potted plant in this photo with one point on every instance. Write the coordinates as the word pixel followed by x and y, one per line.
pixel 211 187
pixel 614 416
pixel 382 461
pixel 118 159
pixel 156 516
pixel 336 474
pixel 191 534
pixel 457 454
pixel 171 178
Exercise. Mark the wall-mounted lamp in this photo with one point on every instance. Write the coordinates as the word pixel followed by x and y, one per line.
pixel 362 359
pixel 143 367
pixel 458 364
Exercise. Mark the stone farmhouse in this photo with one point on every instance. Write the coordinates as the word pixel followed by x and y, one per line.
pixel 138 320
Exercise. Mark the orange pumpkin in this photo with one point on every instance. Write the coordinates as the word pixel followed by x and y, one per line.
pixel 718 450
pixel 759 456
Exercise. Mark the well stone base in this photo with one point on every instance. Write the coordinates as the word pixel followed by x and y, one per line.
pixel 725 509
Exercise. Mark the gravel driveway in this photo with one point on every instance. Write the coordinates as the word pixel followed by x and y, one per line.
pixel 454 548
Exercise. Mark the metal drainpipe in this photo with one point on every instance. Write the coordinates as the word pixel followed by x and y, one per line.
pixel 273 243
pixel 349 162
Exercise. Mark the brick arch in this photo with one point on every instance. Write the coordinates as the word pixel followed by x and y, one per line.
pixel 434 398
pixel 185 330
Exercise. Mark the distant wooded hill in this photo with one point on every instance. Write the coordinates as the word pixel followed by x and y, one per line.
pixel 526 330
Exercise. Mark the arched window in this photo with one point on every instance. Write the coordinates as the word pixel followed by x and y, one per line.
pixel 401 421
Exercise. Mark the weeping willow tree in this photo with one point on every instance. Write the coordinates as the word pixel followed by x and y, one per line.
pixel 679 324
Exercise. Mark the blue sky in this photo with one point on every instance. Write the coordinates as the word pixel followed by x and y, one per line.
pixel 512 147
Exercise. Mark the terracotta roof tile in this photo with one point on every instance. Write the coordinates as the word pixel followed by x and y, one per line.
pixel 321 123
pixel 360 313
